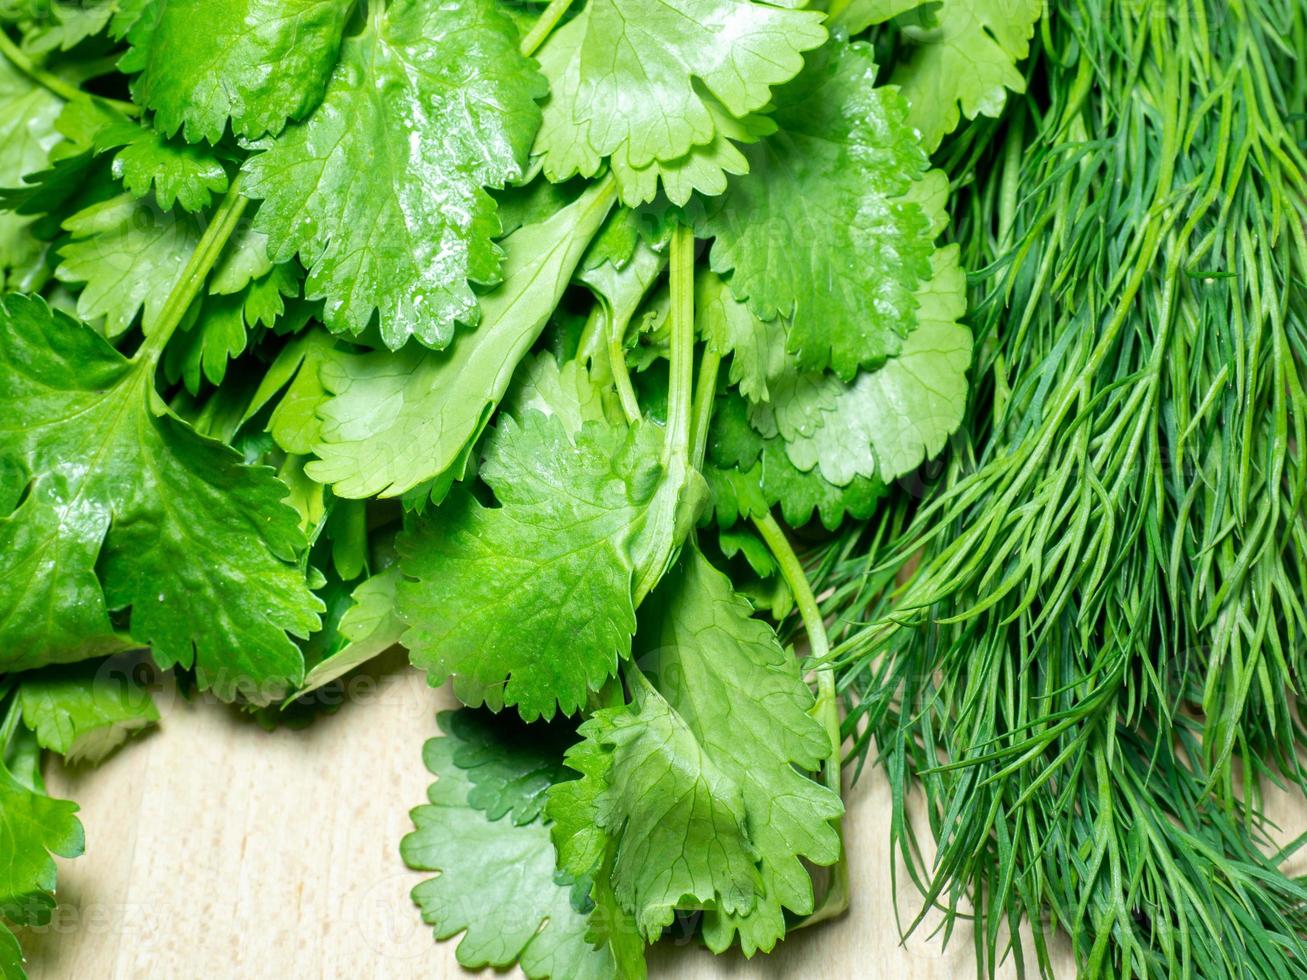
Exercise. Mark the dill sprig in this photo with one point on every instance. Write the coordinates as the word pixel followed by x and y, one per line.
pixel 1096 654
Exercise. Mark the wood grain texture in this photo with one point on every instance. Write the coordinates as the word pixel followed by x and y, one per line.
pixel 216 849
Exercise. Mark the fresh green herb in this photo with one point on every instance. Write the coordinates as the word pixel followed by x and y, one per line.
pixel 1094 660
pixel 506 338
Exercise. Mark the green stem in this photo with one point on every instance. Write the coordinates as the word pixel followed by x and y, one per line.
pixel 617 366
pixel 197 270
pixel 543 26
pixel 826 710
pixel 661 525
pixel 8 725
pixel 704 393
pixel 51 82
pixel 680 391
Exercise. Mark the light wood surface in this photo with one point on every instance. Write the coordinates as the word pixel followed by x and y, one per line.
pixel 216 849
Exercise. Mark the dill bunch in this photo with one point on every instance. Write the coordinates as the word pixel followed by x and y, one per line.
pixel 1095 653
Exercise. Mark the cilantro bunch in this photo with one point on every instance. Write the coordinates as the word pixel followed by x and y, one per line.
pixel 520 337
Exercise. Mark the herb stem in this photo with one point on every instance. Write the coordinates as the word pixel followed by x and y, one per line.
pixel 52 82
pixel 541 29
pixel 681 355
pixel 826 710
pixel 197 270
pixel 616 337
pixel 701 414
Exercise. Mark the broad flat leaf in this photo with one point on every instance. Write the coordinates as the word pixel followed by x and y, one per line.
pixel 746 705
pixel 295 373
pixel 760 367
pixel 967 62
pixel 702 169
pixel 511 765
pixel 128 508
pixel 84 711
pixel 568 393
pixel 755 346
pixel 27 132
pixel 397 420
pixel 675 818
pixel 748 475
pixel 887 421
pixel 129 254
pixel 57 25
pixel 369 627
pixel 433 103
pixel 530 603
pixel 202 62
pixel 497 884
pixel 646 83
pixel 858 15
pixel 830 185
pixel 32 826
pixel 219 329
pixel 179 173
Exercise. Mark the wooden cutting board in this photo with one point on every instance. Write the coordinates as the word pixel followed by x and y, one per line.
pixel 216 849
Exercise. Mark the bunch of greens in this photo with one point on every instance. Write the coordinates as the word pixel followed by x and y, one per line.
pixel 1096 654
pixel 336 324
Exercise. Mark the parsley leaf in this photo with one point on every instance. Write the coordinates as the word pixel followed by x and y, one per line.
pixel 395 421
pixel 496 883
pixel 159 520
pixel 530 603
pixel 433 103
pixel 33 826
pixel 830 184
pixel 694 785
pixel 129 255
pixel 677 819
pixel 27 132
pixel 966 61
pixel 886 422
pixel 743 698
pixel 84 711
pixel 202 62
pixel 624 81
pixel 749 475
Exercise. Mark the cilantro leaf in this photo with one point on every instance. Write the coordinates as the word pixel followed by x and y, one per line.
pixel 496 882
pixel 179 173
pixel 202 62
pixel 84 711
pixel 511 765
pixel 294 422
pixel 530 603
pixel 966 61
pixel 756 346
pixel 748 475
pixel 369 627
pixel 27 132
pixel 395 421
pixel 747 706
pixel 692 792
pixel 886 422
pixel 33 826
pixel 677 820
pixel 129 255
pixel 625 81
pixel 156 519
pixel 433 103
pixel 830 184
pixel 58 25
